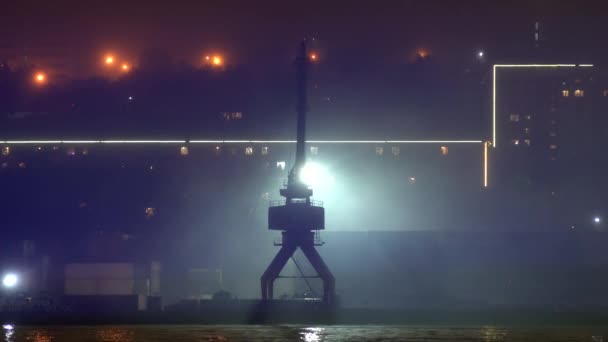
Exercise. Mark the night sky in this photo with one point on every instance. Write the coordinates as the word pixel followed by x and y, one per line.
pixel 71 36
pixel 366 71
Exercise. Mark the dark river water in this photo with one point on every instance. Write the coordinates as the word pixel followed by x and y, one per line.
pixel 200 333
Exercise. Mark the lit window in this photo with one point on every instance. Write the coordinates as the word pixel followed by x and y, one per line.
pixel 514 117
pixel 412 180
pixel 184 151
pixel 579 93
pixel 6 150
pixel 527 142
pixel 281 165
pixel 150 212
pixel 232 115
pixel 264 150
pixel 444 150
pixel 379 150
pixel 248 150
pixel 217 150
pixel 516 142
pixel 565 93
pixel 21 165
pixel 553 147
pixel 527 130
pixel 265 196
pixel 396 150
pixel 314 150
pixel 71 151
pixel 528 117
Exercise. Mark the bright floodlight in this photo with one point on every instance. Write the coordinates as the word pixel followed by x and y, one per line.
pixel 597 219
pixel 9 280
pixel 316 176
pixel 480 54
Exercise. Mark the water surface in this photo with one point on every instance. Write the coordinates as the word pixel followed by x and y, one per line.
pixel 279 333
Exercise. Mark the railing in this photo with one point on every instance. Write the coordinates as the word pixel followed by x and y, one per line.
pixel 317 240
pixel 276 203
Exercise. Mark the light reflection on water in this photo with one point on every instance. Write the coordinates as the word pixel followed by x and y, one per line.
pixel 8 332
pixel 280 333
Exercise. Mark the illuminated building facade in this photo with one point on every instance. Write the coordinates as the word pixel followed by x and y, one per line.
pixel 550 126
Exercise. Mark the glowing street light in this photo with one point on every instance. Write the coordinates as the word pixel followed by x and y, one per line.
pixel 597 219
pixel 125 67
pixel 217 60
pixel 480 54
pixel 313 57
pixel 10 280
pixel 109 60
pixel 40 78
pixel 422 53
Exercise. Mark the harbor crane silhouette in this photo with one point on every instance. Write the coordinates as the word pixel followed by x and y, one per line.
pixel 298 217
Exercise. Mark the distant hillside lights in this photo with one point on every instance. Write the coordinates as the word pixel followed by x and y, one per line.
pixel 110 63
pixel 214 61
pixel 40 78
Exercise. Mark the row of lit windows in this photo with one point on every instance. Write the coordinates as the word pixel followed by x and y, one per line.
pixel 232 115
pixel 525 142
pixel 577 93
pixel 580 93
pixel 314 150
pixel 516 117
pixel 249 150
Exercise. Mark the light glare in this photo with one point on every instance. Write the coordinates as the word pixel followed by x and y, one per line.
pixel 9 280
pixel 316 176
